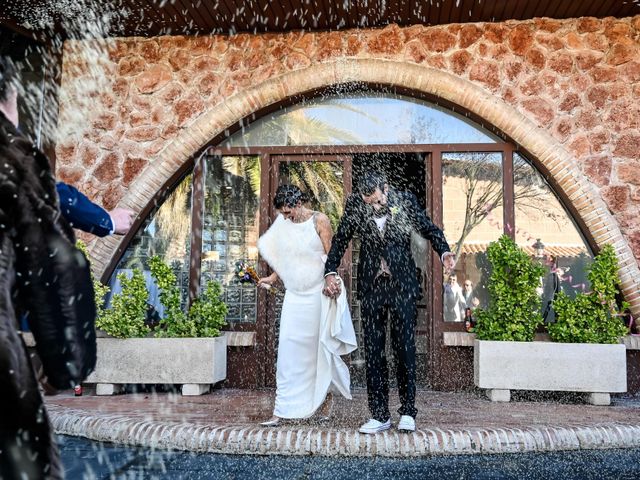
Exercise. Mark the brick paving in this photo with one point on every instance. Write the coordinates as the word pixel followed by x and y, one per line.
pixel 227 421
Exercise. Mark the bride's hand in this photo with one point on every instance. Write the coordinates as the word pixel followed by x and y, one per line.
pixel 331 286
pixel 267 282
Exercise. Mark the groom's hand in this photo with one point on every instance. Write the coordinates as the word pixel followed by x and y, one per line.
pixel 331 286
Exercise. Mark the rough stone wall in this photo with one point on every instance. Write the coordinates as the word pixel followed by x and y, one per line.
pixel 123 101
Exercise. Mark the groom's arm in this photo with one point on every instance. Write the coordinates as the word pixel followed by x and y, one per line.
pixel 425 227
pixel 343 236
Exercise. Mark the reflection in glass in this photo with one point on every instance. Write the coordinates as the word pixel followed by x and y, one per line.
pixel 546 231
pixel 230 228
pixel 472 218
pixel 166 233
pixel 360 118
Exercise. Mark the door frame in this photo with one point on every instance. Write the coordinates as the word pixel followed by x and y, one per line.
pixel 438 366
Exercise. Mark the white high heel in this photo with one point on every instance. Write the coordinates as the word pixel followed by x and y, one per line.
pixel 273 422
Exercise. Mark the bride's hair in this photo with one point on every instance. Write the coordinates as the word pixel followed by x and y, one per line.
pixel 288 195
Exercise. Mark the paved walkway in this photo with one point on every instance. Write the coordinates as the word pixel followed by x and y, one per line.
pixel 226 421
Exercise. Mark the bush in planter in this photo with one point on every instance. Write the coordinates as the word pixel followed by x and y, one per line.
pixel 514 311
pixel 592 317
pixel 126 317
pixel 128 311
pixel 206 315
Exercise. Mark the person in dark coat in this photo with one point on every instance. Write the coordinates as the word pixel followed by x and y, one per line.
pixel 383 219
pixel 44 276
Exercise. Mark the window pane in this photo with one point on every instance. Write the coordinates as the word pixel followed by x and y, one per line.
pixel 472 218
pixel 546 230
pixel 166 233
pixel 230 233
pixel 360 118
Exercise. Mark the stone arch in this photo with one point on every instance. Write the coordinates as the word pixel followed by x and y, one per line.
pixel 549 152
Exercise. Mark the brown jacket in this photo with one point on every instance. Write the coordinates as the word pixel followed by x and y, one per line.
pixel 42 276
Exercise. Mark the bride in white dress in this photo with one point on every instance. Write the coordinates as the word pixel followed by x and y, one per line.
pixel 314 329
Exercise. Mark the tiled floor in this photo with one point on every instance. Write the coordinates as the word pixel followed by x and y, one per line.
pixel 436 409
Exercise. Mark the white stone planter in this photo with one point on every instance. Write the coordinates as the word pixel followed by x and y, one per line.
pixel 196 363
pixel 595 369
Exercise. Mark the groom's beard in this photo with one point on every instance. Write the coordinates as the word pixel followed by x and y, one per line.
pixel 382 211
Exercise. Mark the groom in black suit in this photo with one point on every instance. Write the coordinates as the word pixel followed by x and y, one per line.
pixel 383 219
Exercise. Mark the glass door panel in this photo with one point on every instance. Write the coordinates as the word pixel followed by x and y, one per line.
pixel 230 229
pixel 545 230
pixel 472 200
pixel 165 233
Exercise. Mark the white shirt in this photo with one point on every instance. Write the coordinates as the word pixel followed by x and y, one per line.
pixel 381 222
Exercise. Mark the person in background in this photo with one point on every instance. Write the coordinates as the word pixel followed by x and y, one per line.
pixel 470 299
pixel 43 275
pixel 454 303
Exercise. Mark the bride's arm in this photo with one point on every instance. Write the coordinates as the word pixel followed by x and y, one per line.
pixel 323 227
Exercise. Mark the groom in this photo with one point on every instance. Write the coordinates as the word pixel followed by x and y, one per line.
pixel 383 219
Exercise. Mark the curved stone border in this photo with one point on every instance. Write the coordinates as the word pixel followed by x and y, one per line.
pixel 256 440
pixel 561 165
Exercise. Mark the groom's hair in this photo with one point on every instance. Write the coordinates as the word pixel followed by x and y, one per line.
pixel 369 181
pixel 288 195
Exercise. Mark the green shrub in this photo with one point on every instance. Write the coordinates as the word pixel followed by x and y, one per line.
pixel 514 311
pixel 206 315
pixel 125 318
pixel 174 322
pixel 592 317
pixel 208 311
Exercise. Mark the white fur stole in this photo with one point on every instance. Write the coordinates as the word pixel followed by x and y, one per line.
pixel 295 252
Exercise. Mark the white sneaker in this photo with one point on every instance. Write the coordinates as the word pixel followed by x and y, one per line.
pixel 407 423
pixel 374 426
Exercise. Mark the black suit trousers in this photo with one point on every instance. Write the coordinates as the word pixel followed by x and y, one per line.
pixel 381 304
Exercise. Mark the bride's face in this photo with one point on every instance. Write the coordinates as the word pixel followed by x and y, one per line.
pixel 291 213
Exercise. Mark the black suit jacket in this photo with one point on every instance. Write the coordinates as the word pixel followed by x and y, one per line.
pixel 394 245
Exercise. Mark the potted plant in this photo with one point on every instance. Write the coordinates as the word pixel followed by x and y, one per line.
pixel 506 358
pixel 184 348
pixel 514 311
pixel 594 316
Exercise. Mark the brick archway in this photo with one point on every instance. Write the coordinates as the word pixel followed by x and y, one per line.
pixel 560 164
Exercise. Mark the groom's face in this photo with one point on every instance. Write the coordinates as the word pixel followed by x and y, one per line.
pixel 377 199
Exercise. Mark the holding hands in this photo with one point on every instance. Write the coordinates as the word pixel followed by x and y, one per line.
pixel 332 285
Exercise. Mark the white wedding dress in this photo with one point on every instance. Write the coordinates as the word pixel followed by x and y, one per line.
pixel 314 330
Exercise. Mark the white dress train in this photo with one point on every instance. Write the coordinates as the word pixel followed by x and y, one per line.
pixel 314 330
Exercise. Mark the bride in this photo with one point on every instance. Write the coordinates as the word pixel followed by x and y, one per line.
pixel 314 329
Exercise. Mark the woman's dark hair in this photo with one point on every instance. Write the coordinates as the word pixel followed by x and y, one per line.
pixel 369 181
pixel 289 196
pixel 8 77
